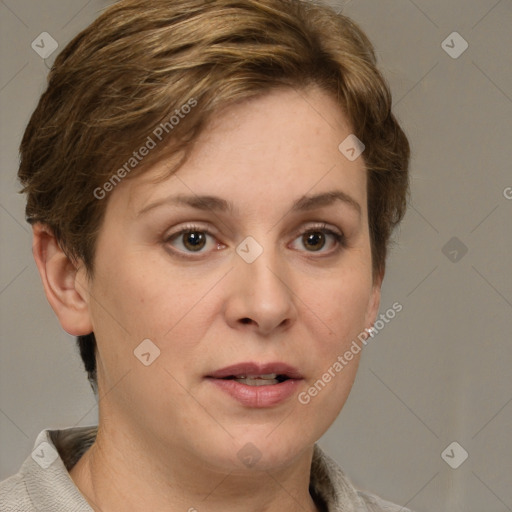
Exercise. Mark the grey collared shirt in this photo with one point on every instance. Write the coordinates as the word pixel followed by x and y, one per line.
pixel 43 483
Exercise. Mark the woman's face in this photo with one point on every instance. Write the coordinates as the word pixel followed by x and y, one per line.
pixel 268 280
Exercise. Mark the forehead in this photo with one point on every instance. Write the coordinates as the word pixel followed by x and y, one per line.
pixel 262 151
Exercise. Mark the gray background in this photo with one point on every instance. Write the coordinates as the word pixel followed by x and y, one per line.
pixel 441 370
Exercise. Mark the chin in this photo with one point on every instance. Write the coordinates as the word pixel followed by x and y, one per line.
pixel 268 451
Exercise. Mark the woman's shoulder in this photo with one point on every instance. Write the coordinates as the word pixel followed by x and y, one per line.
pixel 329 482
pixel 43 481
pixel 14 496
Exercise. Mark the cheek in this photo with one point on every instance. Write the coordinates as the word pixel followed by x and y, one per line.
pixel 333 363
pixel 134 301
pixel 342 306
pixel 142 298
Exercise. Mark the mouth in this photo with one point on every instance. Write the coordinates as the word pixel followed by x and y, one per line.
pixel 254 374
pixel 257 385
pixel 258 380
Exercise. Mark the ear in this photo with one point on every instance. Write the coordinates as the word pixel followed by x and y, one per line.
pixel 374 302
pixel 58 274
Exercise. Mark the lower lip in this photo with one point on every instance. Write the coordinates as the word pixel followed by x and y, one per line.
pixel 258 396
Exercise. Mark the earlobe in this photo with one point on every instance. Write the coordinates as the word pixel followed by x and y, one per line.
pixel 58 274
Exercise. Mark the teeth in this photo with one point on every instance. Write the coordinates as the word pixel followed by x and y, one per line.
pixel 257 381
pixel 268 376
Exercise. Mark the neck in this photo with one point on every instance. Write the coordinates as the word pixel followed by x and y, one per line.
pixel 117 474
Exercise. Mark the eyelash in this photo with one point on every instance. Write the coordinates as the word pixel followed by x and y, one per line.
pixel 320 228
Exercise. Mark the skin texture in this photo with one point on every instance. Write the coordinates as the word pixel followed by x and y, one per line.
pixel 168 438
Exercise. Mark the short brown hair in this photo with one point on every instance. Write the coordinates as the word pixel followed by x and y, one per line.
pixel 142 61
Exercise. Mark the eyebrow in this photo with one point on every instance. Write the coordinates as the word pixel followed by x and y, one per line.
pixel 217 204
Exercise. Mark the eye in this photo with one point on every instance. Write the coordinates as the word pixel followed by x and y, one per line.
pixel 194 239
pixel 191 239
pixel 316 238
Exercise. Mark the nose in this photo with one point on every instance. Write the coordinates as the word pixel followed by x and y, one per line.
pixel 260 295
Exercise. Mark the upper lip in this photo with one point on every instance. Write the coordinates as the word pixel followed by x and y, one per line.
pixel 254 369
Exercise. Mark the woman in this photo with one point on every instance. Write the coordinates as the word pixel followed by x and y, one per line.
pixel 212 187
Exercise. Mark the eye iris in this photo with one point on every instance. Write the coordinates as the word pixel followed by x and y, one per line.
pixel 194 240
pixel 314 237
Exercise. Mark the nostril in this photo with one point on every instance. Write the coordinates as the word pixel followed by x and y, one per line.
pixel 246 320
